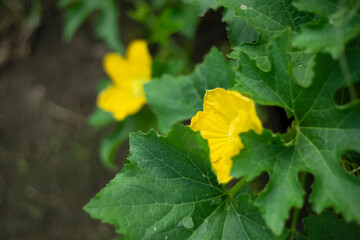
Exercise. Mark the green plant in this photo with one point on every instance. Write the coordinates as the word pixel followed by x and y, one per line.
pixel 297 56
pixel 105 25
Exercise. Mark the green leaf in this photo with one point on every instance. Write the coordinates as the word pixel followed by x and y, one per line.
pixel 302 63
pixel 270 18
pixel 327 226
pixel 181 19
pixel 324 132
pixel 173 17
pixel 100 118
pixel 75 15
pixel 302 67
pixel 144 121
pixel 106 27
pixel 256 51
pixel 339 23
pixel 175 99
pixel 237 29
pixel 168 191
pixel 111 143
pixel 203 5
pixel 172 67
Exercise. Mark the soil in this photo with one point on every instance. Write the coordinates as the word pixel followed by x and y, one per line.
pixel 49 164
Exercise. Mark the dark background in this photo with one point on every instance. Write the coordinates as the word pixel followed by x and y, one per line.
pixel 49 164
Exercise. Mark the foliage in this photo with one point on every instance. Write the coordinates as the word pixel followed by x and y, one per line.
pixel 165 22
pixel 296 55
pixel 328 226
pixel 185 94
pixel 172 17
pixel 110 144
pixel 168 191
pixel 105 26
pixel 338 23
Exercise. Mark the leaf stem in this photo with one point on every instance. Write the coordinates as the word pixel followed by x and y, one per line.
pixel 296 213
pixel 295 219
pixel 239 185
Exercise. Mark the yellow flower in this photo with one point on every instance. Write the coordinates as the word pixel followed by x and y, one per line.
pixel 126 96
pixel 225 115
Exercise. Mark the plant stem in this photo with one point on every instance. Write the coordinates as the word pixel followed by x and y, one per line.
pixel 295 219
pixel 296 213
pixel 237 187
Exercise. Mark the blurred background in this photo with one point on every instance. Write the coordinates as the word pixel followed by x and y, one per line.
pixel 50 67
pixel 49 165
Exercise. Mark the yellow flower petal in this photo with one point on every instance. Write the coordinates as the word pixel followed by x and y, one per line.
pixel 226 114
pixel 120 101
pixel 129 74
pixel 136 65
pixel 138 54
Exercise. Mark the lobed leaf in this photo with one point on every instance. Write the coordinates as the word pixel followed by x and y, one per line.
pixel 168 191
pixel 269 18
pixel 324 132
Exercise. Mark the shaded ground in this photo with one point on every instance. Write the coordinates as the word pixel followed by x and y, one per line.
pixel 49 166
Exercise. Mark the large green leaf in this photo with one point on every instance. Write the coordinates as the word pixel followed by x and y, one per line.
pixel 328 227
pixel 168 191
pixel 324 132
pixel 268 18
pixel 339 23
pixel 302 63
pixel 176 99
